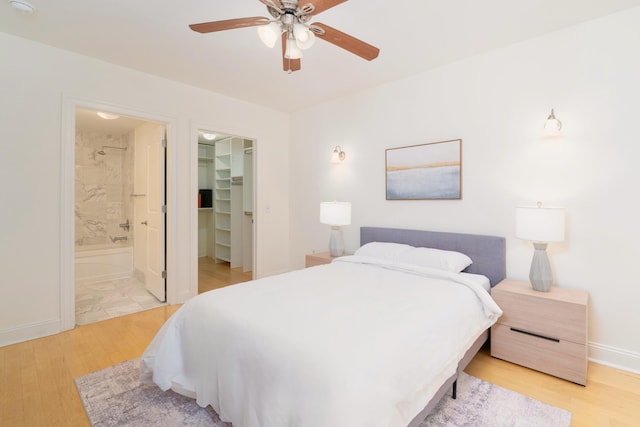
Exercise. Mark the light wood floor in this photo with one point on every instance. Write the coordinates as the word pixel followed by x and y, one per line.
pixel 37 387
pixel 213 275
pixel 610 398
pixel 36 377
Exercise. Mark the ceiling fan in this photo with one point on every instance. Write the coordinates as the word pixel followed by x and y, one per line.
pixel 290 23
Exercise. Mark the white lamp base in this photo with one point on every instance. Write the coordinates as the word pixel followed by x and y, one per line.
pixel 540 273
pixel 336 244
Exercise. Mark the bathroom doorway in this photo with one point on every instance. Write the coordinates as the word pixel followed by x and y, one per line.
pixel 225 209
pixel 120 211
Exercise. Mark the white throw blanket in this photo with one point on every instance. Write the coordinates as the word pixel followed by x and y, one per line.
pixel 353 343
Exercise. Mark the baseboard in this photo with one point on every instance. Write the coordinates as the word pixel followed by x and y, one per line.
pixel 30 331
pixel 615 357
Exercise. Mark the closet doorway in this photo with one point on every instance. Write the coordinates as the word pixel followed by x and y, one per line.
pixel 225 209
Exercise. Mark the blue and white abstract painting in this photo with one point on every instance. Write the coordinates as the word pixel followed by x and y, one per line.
pixel 426 171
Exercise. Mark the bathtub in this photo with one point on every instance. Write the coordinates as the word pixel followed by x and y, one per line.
pixel 98 263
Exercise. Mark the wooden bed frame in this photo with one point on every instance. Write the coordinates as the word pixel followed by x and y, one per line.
pixel 488 254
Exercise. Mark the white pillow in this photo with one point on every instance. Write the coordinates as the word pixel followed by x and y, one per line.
pixel 383 250
pixel 425 257
pixel 451 261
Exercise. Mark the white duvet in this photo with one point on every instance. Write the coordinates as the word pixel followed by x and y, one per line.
pixel 353 343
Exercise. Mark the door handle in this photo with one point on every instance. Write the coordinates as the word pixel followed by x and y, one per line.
pixel 144 222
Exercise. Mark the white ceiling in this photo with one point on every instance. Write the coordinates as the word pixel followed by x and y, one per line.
pixel 414 35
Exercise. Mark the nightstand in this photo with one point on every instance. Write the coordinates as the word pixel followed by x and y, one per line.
pixel 318 259
pixel 545 331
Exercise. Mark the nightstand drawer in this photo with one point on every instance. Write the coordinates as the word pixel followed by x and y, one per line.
pixel 543 315
pixel 561 358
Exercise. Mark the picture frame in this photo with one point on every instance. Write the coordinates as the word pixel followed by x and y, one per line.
pixel 431 171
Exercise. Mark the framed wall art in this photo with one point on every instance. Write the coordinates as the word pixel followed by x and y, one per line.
pixel 430 171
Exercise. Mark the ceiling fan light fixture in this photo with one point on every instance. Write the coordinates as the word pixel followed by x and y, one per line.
pixel 300 32
pixel 270 33
pixel 292 51
pixel 311 38
pixel 292 23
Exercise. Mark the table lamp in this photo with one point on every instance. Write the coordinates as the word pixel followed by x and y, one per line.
pixel 540 225
pixel 335 214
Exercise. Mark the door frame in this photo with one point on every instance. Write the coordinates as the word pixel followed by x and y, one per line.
pixel 67 198
pixel 193 195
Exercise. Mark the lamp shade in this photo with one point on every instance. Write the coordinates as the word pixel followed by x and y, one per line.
pixel 270 33
pixel 335 156
pixel 540 224
pixel 301 32
pixel 306 39
pixel 338 155
pixel 292 50
pixel 335 213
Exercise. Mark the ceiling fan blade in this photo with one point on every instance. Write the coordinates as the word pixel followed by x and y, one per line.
pixel 322 5
pixel 347 42
pixel 229 24
pixel 288 65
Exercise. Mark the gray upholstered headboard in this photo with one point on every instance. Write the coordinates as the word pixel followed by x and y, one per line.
pixel 488 253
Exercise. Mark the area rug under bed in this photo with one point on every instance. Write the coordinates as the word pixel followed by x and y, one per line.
pixel 115 397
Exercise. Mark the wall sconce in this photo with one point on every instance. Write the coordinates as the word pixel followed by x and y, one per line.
pixel 338 155
pixel 552 126
pixel 540 225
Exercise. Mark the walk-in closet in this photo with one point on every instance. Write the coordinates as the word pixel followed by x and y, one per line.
pixel 225 201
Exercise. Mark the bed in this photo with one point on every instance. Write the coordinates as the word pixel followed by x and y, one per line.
pixel 377 338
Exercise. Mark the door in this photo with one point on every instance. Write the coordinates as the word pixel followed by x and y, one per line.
pixel 149 205
pixel 247 206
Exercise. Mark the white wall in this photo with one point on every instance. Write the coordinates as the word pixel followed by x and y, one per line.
pixel 37 82
pixel 497 103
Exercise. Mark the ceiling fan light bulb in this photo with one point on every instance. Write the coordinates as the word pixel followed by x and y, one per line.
pixel 269 33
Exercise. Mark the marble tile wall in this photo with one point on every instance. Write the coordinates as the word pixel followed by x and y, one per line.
pixel 103 184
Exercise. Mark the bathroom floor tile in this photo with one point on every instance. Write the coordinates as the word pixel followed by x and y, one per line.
pixel 105 300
